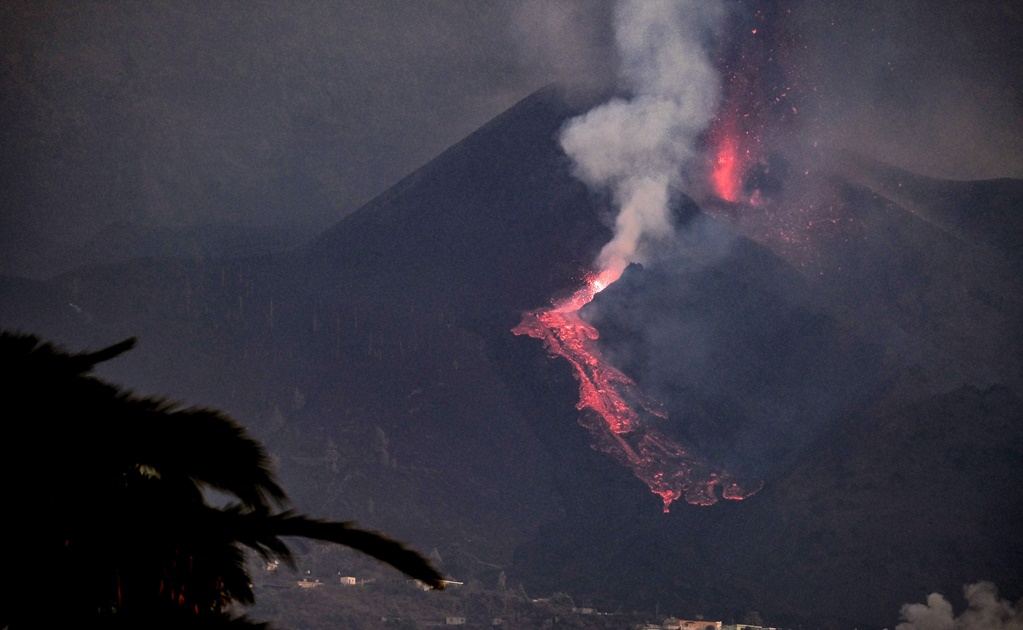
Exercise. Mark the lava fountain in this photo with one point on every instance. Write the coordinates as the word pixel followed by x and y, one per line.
pixel 616 412
pixel 728 166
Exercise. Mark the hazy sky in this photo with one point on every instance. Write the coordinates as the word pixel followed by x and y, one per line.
pixel 294 113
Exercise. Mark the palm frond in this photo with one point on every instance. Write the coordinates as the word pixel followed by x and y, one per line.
pixel 371 543
pixel 85 361
pixel 201 444
pixel 263 532
pixel 115 489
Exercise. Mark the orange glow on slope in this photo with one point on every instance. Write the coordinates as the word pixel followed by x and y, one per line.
pixel 609 400
pixel 727 175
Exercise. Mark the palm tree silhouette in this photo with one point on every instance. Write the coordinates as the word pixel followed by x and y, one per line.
pixel 103 501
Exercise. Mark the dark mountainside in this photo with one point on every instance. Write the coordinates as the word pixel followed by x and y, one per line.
pixel 875 385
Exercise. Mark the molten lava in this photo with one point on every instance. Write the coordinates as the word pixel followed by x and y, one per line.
pixel 617 413
pixel 761 98
pixel 727 170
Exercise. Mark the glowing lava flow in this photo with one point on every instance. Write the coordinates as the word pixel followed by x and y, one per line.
pixel 617 428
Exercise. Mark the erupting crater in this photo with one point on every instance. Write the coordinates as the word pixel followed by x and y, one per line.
pixel 616 412
pixel 730 161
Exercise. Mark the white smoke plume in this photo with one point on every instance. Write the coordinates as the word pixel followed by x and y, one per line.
pixel 640 146
pixel 985 611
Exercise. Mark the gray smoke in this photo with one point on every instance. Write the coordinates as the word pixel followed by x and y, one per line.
pixel 639 147
pixel 926 85
pixel 984 611
pixel 566 42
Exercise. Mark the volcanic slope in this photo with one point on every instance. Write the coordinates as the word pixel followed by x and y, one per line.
pixel 359 359
pixel 378 365
pixel 865 362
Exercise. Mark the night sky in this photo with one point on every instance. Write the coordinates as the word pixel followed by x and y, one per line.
pixel 292 115
pixel 126 125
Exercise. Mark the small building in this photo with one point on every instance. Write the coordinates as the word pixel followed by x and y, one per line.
pixel 698 624
pixel 309 583
pixel 349 580
pixel 423 586
pixel 455 621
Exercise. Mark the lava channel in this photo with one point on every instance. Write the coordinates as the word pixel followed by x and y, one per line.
pixel 617 427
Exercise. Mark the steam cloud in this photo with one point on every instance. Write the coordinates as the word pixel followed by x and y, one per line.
pixel 985 611
pixel 641 146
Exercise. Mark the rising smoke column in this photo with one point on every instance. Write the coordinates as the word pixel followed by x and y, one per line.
pixel 639 147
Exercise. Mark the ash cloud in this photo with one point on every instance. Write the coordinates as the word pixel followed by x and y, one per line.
pixel 273 115
pixel 640 147
pixel 928 86
pixel 163 114
pixel 985 611
pixel 568 43
pixel 726 336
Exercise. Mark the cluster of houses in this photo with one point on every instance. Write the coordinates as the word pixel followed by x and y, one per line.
pixel 670 623
pixel 344 580
pixel 349 580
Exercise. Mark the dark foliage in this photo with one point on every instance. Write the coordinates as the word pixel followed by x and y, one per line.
pixel 103 495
